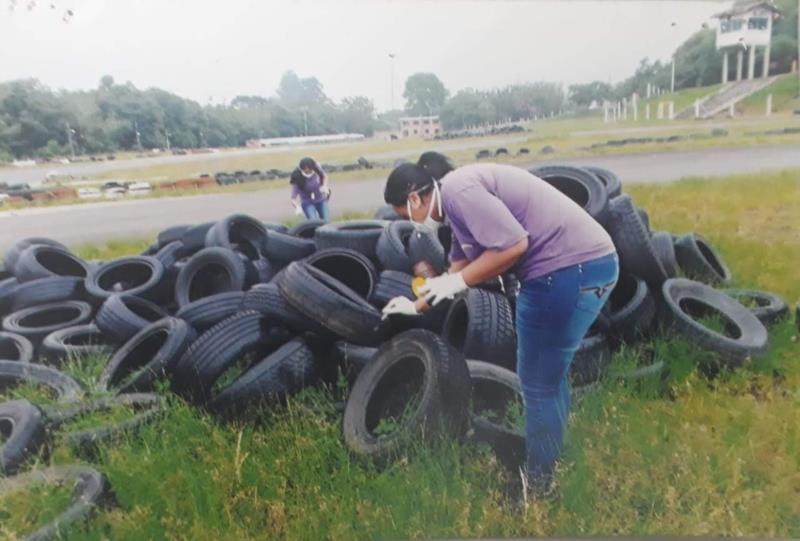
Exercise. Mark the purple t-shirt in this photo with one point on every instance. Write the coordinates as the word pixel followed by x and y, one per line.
pixel 310 192
pixel 492 206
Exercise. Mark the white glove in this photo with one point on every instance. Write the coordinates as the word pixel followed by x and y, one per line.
pixel 325 191
pixel 442 287
pixel 298 210
pixel 401 306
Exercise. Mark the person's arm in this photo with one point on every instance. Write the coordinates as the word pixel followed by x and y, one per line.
pixel 492 263
pixel 295 197
pixel 458 266
pixel 323 176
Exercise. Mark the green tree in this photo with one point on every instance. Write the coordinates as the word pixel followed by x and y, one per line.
pixel 583 95
pixel 358 115
pixel 425 94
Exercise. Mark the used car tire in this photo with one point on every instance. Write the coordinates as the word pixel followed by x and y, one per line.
pixel 392 246
pixel 194 238
pixel 306 229
pixel 140 276
pixel 122 316
pixel 73 342
pixel 699 261
pixel 581 186
pixel 393 284
pixel 331 303
pixel 481 326
pixel 632 240
pixel 494 387
pixel 351 268
pixel 208 272
pixel 88 493
pixel 419 358
pixel 204 313
pixel 386 212
pixel 13 253
pixel 147 357
pixel 609 180
pixel 769 308
pixel 171 234
pixel 23 433
pixel 424 245
pixel 592 359
pixel 64 387
pixel 15 347
pixel 36 322
pixel 282 249
pixel 46 290
pixel 665 251
pixel 42 261
pixel 687 300
pixel 359 235
pixel 632 308
pixel 267 300
pixel 284 372
pixel 238 232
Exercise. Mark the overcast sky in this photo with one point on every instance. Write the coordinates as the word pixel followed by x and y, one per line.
pixel 205 49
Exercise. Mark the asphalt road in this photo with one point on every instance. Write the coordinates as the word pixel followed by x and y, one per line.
pixel 95 222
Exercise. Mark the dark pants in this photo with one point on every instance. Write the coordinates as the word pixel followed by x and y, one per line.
pixel 554 313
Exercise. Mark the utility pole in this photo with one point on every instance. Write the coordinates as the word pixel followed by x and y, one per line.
pixel 69 139
pixel 138 135
pixel 391 83
pixel 166 136
pixel 674 54
pixel 305 121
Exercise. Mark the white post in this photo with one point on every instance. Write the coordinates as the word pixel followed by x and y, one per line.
pixel 751 63
pixel 635 105
pixel 739 63
pixel 661 110
pixel 624 109
pixel 672 110
pixel 697 108
pixel 769 105
pixel 649 90
pixel 647 112
pixel 732 110
pixel 724 67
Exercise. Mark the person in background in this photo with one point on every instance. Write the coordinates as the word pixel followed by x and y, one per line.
pixel 310 190
pixel 504 219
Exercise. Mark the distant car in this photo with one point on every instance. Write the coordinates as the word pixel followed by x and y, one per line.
pixel 110 185
pixel 89 193
pixel 114 193
pixel 139 188
pixel 483 154
pixel 501 151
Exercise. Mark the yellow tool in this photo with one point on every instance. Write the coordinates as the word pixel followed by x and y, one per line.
pixel 417 283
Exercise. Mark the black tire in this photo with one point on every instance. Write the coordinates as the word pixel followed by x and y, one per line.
pixel 170 254
pixel 353 358
pixel 209 272
pixel 15 347
pixel 349 267
pixel 122 316
pixel 13 253
pixel 768 307
pixel 282 249
pixel 592 359
pixel 171 234
pixel 632 308
pixel 419 358
pixel 688 300
pixel 23 433
pixel 89 488
pixel 149 408
pixel 392 247
pixel 393 284
pixel 7 287
pixel 480 325
pixel 64 387
pixel 581 186
pixel 493 388
pixel 424 245
pixel 278 228
pixel 331 303
pixel 386 212
pixel 610 180
pixel 665 251
pixel 267 300
pixel 38 321
pixel 204 313
pixel 5 273
pixel 645 217
pixel 194 238
pixel 632 239
pixel 238 232
pixel 359 235
pixel 264 271
pixel 43 261
pixel 699 261
pixel 147 357
pixel 140 276
pixel 46 290
pixel 218 349
pixel 73 342
pixel 286 371
pixel 306 229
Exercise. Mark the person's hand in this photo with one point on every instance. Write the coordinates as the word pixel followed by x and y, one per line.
pixel 325 190
pixel 298 210
pixel 437 289
pixel 400 306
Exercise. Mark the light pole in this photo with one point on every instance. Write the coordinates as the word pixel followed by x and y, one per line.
pixel 391 83
pixel 70 132
pixel 674 54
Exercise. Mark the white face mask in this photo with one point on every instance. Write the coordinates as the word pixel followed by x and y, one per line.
pixel 307 175
pixel 429 221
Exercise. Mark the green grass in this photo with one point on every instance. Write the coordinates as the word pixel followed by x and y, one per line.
pixel 683 99
pixel 784 97
pixel 708 457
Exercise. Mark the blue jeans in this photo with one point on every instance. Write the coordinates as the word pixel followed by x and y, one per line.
pixel 554 313
pixel 314 211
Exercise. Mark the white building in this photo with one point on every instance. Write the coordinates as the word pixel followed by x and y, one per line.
pixel 420 126
pixel 745 27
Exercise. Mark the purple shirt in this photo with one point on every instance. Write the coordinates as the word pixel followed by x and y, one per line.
pixel 310 192
pixel 492 206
